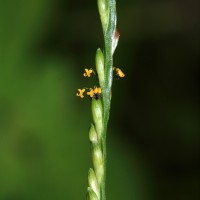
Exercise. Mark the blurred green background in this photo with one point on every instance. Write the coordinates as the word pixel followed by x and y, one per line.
pixel 153 139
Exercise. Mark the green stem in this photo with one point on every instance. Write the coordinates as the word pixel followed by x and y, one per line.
pixel 101 107
pixel 108 63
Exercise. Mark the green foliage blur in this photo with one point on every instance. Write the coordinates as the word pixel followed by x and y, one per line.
pixel 153 136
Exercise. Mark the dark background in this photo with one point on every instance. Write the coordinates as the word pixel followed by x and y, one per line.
pixel 153 136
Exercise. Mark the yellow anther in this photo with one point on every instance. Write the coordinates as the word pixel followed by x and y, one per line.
pixel 119 72
pixel 90 93
pixel 88 72
pixel 80 93
pixel 94 93
pixel 97 90
pixel 97 93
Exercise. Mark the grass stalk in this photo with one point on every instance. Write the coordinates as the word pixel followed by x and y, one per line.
pixel 101 106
